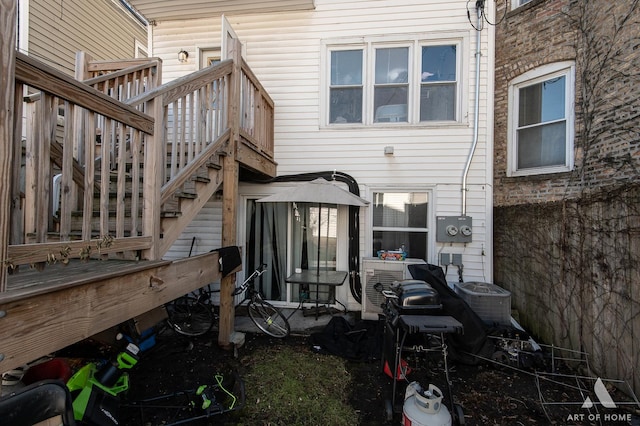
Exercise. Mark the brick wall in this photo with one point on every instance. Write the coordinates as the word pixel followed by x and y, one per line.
pixel 607 144
pixel 567 244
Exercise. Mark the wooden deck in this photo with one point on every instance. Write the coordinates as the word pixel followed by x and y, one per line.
pixel 31 282
pixel 46 311
pixel 89 164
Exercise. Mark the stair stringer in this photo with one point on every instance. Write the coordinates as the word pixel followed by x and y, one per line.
pixel 189 208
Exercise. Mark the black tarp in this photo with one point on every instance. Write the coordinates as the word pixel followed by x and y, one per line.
pixel 361 341
pixel 474 340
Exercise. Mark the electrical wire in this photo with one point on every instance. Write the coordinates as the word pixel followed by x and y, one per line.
pixel 480 5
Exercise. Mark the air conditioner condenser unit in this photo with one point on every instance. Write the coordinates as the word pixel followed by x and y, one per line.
pixel 378 276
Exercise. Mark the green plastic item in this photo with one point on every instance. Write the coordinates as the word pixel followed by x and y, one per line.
pixel 84 382
pixel 206 402
pixel 126 361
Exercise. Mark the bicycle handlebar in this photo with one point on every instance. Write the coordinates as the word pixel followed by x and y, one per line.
pixel 242 287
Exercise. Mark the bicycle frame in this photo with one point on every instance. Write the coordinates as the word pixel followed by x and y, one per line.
pixel 264 315
pixel 195 316
pixel 245 284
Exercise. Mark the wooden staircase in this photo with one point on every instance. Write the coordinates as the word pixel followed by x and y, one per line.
pixel 134 162
pixel 203 183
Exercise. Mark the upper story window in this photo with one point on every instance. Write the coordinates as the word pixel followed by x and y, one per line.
pixel 391 85
pixel 346 89
pixel 541 120
pixel 517 3
pixel 439 83
pixel 412 82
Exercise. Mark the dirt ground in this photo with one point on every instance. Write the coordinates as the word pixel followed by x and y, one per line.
pixel 486 394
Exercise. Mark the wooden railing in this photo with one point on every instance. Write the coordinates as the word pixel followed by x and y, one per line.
pixel 62 124
pixel 100 157
pixel 256 113
pixel 195 108
pixel 120 80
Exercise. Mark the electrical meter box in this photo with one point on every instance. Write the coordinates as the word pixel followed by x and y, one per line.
pixel 454 229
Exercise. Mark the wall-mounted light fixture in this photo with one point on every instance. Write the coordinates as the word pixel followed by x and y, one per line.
pixel 388 150
pixel 183 56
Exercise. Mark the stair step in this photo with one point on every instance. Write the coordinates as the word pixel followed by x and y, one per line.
pixel 170 209
pixel 189 195
pixel 202 179
pixel 170 214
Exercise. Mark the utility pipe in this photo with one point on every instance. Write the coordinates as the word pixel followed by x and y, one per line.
pixel 478 55
pixel 354 220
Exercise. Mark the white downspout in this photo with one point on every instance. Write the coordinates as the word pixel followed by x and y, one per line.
pixel 476 111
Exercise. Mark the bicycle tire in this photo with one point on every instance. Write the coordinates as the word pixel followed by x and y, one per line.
pixel 189 317
pixel 268 319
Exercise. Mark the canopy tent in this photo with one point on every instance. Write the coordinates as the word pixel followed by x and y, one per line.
pixel 318 191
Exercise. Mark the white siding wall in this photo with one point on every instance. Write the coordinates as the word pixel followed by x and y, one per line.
pixel 58 29
pixel 285 51
pixel 204 232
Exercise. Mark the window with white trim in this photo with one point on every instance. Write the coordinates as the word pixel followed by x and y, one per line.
pixel 541 120
pixel 517 3
pixel 439 82
pixel 400 221
pixel 345 90
pixel 402 81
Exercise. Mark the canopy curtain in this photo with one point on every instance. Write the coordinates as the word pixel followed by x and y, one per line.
pixel 267 243
pixel 314 236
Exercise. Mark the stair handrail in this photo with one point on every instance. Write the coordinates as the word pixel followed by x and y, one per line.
pixel 48 79
pixel 180 86
pixel 197 105
pixel 123 72
pixel 61 96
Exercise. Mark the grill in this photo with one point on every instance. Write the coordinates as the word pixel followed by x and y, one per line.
pixel 410 297
pixel 414 297
pixel 413 313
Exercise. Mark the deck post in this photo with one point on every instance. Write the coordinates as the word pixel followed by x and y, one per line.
pixel 152 181
pixel 7 93
pixel 230 197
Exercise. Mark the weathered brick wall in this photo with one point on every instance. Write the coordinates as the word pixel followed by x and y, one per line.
pixel 607 104
pixel 567 245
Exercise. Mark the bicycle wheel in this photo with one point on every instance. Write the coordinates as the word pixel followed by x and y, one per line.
pixel 189 317
pixel 268 319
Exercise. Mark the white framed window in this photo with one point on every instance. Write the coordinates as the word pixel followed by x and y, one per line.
pixel 541 120
pixel 394 81
pixel 439 82
pixel 517 3
pixel 140 50
pixel 346 86
pixel 401 219
pixel 391 84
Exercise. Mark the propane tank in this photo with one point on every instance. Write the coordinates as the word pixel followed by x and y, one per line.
pixel 424 407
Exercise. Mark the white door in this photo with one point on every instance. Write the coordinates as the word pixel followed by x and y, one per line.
pixel 228 37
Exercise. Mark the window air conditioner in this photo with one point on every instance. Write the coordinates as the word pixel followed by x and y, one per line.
pixel 379 275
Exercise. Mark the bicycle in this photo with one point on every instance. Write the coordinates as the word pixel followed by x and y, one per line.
pixel 195 315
